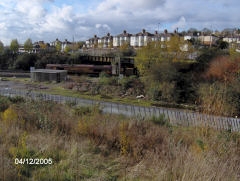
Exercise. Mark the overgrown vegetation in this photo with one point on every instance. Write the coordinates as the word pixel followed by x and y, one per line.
pixel 85 144
pixel 172 73
pixel 211 82
pixel 220 92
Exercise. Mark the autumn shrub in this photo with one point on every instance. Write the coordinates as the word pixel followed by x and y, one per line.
pixel 10 117
pixel 4 103
pixel 123 138
pixel 223 69
pixel 83 127
pixel 163 71
pixel 220 92
pixel 205 57
pixel 160 81
pixel 162 91
pixel 132 138
pixel 86 124
pixel 219 99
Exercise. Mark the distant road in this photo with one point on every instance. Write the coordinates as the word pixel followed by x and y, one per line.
pixel 174 116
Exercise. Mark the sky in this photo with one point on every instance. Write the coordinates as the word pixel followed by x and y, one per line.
pixel 80 20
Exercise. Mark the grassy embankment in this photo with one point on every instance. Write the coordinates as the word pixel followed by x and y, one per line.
pixel 62 89
pixel 87 145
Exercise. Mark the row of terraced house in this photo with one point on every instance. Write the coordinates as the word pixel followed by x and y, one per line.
pixel 135 40
pixel 143 38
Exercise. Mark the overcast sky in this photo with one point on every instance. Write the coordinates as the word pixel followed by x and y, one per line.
pixel 64 19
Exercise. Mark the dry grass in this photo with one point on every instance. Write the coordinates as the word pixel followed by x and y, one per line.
pixel 87 145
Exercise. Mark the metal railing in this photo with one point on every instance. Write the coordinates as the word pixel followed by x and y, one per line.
pixel 174 116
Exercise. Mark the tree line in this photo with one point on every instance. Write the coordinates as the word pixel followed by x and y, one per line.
pixel 11 58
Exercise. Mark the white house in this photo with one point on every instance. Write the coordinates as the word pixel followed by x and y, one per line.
pixel 141 39
pixel 105 42
pixel 92 42
pixel 121 39
pixel 65 44
pixel 134 41
pixel 55 43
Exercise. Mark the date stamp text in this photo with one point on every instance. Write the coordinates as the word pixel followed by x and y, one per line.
pixel 33 161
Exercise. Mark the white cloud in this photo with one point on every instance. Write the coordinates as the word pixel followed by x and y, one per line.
pixel 58 20
pixel 102 29
pixel 30 9
pixel 20 18
pixel 131 5
pixel 180 24
pixel 49 19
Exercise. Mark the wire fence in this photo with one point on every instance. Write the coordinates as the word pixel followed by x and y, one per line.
pixel 174 116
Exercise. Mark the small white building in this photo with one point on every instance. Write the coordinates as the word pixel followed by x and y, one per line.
pixel 48 75
pixel 208 39
pixel 231 39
